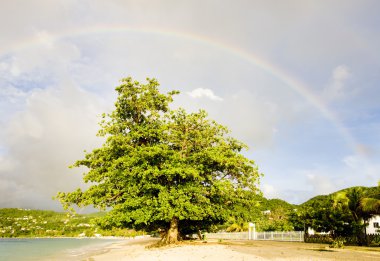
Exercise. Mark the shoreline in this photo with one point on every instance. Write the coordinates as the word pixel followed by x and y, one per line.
pixel 77 237
pixel 127 248
pixel 197 250
pixel 90 251
pixel 13 249
pixel 136 250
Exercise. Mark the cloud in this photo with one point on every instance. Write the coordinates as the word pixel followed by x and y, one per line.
pixel 201 92
pixel 352 162
pixel 41 62
pixel 6 164
pixel 250 119
pixel 360 166
pixel 269 191
pixel 356 170
pixel 320 183
pixel 11 93
pixel 45 39
pixel 294 195
pixel 42 140
pixel 337 88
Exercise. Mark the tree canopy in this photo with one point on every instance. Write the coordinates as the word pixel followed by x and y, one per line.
pixel 163 169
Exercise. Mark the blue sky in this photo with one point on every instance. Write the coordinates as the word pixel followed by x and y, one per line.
pixel 295 80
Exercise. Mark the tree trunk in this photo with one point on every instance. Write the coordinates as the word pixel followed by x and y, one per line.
pixel 199 233
pixel 365 239
pixel 172 235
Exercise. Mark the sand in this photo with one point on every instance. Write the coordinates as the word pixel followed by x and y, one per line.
pixel 135 250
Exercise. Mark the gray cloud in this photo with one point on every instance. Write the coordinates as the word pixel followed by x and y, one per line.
pixel 42 141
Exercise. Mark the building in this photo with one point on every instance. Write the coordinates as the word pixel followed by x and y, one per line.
pixel 372 228
pixel 373 225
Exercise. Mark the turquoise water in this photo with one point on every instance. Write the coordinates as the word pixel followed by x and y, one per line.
pixel 51 248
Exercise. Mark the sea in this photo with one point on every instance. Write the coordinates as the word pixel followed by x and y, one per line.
pixel 57 249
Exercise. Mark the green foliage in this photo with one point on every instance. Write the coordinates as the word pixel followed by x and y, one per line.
pixel 42 223
pixel 373 240
pixel 319 238
pixel 38 223
pixel 273 204
pixel 273 215
pixel 267 214
pixel 236 228
pixel 158 166
pixel 338 243
pixel 325 216
pixel 344 213
pixel 119 232
pixel 277 216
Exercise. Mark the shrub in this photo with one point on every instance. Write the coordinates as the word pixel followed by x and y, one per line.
pixel 338 243
pixel 322 239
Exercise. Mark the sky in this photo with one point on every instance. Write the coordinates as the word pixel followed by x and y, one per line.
pixel 296 80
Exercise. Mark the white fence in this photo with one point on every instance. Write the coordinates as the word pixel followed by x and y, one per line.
pixel 228 235
pixel 271 235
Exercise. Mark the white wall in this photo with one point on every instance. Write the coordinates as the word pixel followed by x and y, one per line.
pixel 371 229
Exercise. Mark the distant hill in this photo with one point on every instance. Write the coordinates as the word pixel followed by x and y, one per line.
pixel 43 223
pixel 272 204
pixel 372 192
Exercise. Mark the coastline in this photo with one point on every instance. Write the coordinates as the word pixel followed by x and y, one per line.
pixel 123 250
pixel 17 249
pixel 105 245
pixel 136 250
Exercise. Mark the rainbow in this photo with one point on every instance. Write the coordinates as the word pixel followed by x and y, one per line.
pixel 240 53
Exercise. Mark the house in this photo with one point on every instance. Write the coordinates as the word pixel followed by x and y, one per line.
pixel 372 228
pixel 373 225
pixel 311 231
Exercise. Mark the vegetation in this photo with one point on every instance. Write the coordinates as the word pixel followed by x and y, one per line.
pixel 275 215
pixel 267 214
pixel 42 223
pixel 327 213
pixel 344 213
pixel 163 169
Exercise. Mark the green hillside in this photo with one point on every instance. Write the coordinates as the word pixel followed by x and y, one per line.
pixel 43 223
pixel 332 212
pixel 371 192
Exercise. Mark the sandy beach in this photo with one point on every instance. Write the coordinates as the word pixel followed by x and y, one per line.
pixel 136 250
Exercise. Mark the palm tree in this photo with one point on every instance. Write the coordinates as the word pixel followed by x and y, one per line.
pixel 361 206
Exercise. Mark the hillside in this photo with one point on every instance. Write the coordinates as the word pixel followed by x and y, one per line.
pixel 372 192
pixel 273 204
pixel 43 223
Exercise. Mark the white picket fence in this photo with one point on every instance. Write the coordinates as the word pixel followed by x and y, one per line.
pixel 297 236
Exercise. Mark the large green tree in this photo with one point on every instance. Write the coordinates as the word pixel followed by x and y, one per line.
pixel 163 169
